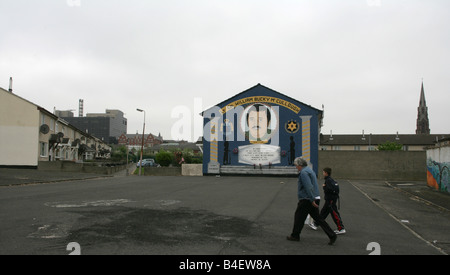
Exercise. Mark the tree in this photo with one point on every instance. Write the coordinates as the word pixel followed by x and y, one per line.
pixel 119 153
pixel 390 146
pixel 164 158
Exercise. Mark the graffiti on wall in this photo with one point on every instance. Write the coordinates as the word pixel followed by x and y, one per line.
pixel 438 175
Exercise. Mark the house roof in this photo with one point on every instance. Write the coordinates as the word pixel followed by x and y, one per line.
pixel 271 90
pixel 180 146
pixel 146 136
pixel 425 140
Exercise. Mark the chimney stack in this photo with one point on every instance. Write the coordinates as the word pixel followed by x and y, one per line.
pixel 10 84
pixel 81 108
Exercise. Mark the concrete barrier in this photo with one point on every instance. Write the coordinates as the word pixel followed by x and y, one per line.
pixel 192 170
pixel 50 165
pixel 362 165
pixel 375 165
pixel 70 166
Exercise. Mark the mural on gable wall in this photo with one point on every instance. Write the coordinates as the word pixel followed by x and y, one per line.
pixel 438 173
pixel 260 127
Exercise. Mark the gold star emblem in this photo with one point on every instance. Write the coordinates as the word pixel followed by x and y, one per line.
pixel 292 126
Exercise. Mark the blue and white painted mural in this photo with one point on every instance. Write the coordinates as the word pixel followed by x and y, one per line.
pixel 260 127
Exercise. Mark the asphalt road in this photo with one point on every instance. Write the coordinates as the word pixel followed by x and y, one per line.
pixel 209 215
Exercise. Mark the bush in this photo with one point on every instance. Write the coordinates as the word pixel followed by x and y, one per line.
pixel 164 158
pixel 119 154
pixel 197 160
pixel 390 146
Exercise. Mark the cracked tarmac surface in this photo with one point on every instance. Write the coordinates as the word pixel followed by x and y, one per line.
pixel 208 215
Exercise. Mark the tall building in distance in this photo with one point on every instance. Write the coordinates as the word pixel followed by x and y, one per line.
pixel 107 126
pixel 423 123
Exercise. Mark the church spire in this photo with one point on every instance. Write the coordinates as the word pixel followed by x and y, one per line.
pixel 423 102
pixel 423 123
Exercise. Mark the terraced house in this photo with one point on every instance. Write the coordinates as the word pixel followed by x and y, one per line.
pixel 30 134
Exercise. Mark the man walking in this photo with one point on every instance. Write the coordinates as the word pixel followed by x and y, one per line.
pixel 308 190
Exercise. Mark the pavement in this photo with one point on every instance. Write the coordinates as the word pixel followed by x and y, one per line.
pixel 14 177
pixel 11 177
pixel 43 212
pixel 423 211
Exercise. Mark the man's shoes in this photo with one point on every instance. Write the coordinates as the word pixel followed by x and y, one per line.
pixel 293 239
pixel 332 240
pixel 340 232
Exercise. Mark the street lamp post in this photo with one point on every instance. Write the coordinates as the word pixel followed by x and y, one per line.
pixel 142 146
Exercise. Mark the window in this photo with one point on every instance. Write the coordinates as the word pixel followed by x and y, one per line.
pixel 357 148
pixel 43 149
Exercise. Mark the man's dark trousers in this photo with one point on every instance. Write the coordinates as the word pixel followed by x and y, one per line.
pixel 304 208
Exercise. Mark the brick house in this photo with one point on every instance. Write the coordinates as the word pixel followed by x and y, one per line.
pixel 135 140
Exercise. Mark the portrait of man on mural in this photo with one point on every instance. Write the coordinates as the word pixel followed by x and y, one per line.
pixel 258 123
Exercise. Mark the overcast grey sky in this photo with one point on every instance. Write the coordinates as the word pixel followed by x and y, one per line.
pixel 363 59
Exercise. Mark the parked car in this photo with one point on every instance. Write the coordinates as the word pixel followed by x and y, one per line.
pixel 148 163
pixel 145 162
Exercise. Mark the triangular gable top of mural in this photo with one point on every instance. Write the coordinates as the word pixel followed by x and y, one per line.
pixel 232 99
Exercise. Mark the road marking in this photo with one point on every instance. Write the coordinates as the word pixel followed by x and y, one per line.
pixel 399 221
pixel 87 203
